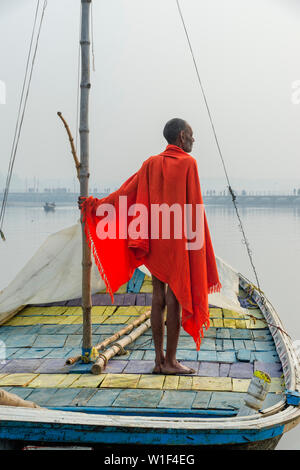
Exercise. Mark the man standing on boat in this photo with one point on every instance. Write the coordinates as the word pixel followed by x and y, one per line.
pixel 179 256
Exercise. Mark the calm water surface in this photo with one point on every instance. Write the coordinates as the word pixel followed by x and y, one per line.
pixel 273 234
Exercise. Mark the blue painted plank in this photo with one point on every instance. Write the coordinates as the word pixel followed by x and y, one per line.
pixel 227 400
pixel 31 353
pixel 240 333
pixel 73 341
pixel 228 344
pixel 208 344
pixel 41 396
pixel 207 355
pixel 50 341
pixel 243 355
pixel 22 392
pixel 104 397
pixel 61 353
pixel 266 356
pixel 264 345
pixel 226 356
pixel 63 397
pixel 20 341
pixel 82 398
pixel 202 400
pixel 223 333
pixel 177 399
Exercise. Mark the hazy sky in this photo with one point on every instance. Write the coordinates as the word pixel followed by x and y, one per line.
pixel 248 54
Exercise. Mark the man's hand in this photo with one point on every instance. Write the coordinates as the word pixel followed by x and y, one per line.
pixel 81 200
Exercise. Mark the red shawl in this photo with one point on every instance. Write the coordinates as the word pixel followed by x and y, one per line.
pixel 171 178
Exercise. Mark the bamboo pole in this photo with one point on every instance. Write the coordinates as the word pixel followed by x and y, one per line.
pixel 103 358
pixel 127 329
pixel 84 173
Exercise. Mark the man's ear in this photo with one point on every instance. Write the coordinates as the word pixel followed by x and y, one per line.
pixel 182 136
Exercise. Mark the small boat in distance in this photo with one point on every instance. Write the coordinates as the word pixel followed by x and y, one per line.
pixel 49 206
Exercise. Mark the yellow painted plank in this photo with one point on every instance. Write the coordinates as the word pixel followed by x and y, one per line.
pixel 185 383
pixel 223 384
pixel 146 288
pixel 215 313
pixel 147 278
pixel 116 319
pixel 240 324
pixel 232 314
pixel 73 310
pixel 120 381
pixel 69 319
pixel 99 310
pixel 171 382
pixel 88 380
pixel 229 323
pixel 217 323
pixel 31 311
pixel 122 289
pixel 99 318
pixel 47 380
pixel 17 380
pixel 151 381
pixel 77 319
pixel 130 310
pixel 240 385
pixel 110 309
pixel 34 320
pixel 68 381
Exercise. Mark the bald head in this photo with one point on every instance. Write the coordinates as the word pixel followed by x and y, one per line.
pixel 178 132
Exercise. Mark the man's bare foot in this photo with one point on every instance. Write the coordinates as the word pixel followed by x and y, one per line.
pixel 157 369
pixel 176 368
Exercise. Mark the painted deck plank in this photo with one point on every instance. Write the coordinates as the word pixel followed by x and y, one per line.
pixel 226 400
pixel 212 383
pixel 120 381
pixel 151 381
pixel 104 397
pixel 138 399
pixel 202 400
pixel 177 399
pixel 18 379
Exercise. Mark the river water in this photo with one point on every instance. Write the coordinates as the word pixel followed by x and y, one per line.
pixel 273 235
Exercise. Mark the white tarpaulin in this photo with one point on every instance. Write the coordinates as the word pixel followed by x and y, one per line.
pixel 54 274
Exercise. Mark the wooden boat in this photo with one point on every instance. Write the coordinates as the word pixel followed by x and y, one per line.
pixel 49 207
pixel 127 404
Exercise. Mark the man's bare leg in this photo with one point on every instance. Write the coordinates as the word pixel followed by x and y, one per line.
pixel 171 365
pixel 157 322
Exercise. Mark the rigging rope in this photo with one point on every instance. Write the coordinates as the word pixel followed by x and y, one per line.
pixel 233 195
pixel 22 106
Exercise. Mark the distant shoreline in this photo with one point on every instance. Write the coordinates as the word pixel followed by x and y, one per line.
pixel 70 199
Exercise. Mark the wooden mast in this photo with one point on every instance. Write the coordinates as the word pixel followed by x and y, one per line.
pixel 84 173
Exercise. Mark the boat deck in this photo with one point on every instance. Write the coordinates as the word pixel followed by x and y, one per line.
pixel 39 339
